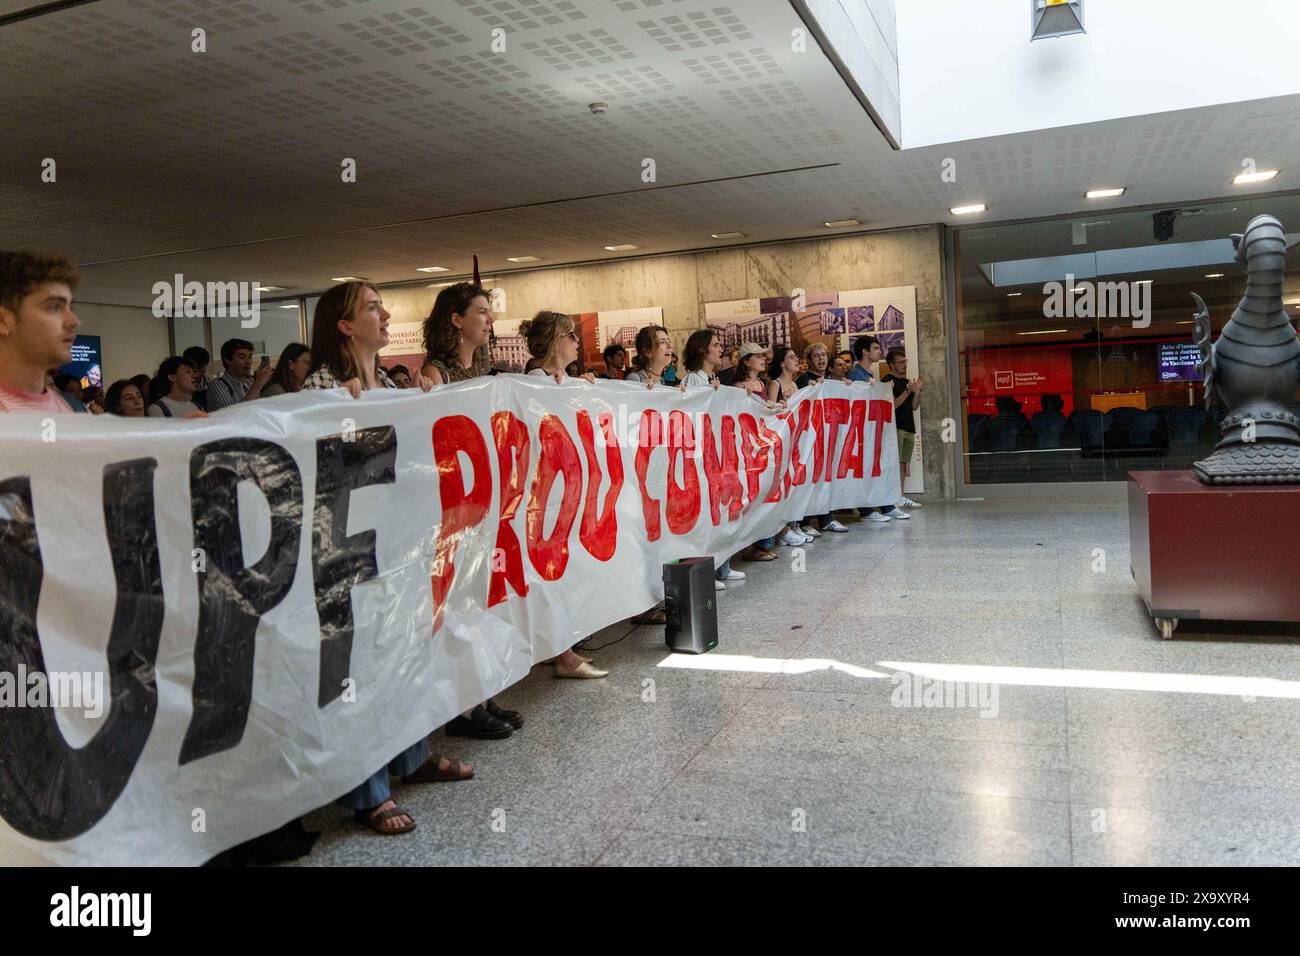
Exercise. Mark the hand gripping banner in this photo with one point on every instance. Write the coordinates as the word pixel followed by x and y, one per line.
pixel 210 627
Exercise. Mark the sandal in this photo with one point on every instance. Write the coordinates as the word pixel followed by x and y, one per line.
pixel 757 554
pixel 440 769
pixel 375 818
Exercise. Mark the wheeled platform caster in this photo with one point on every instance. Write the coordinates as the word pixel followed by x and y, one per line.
pixel 1166 626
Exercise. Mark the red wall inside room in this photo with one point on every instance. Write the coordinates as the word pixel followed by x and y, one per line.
pixel 1023 373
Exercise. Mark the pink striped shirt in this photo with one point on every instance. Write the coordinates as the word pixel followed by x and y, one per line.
pixel 49 401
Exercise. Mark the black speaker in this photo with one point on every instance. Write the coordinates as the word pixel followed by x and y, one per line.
pixel 690 606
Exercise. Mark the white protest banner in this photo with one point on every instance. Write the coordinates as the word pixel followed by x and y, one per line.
pixel 281 597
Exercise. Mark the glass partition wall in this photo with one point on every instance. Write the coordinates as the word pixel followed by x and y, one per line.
pixel 1075 359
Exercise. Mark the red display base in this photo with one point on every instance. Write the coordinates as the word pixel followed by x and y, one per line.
pixel 1218 552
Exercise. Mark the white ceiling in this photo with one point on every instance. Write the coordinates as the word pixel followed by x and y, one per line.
pixel 226 165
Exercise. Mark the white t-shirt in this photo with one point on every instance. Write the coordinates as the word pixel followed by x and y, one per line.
pixel 177 409
pixel 542 372
pixel 697 379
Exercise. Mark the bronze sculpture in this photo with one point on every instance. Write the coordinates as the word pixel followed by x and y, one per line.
pixel 1254 367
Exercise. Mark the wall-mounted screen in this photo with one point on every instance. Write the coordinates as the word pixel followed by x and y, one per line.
pixel 87 361
pixel 1178 362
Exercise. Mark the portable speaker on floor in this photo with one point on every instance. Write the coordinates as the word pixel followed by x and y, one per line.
pixel 690 606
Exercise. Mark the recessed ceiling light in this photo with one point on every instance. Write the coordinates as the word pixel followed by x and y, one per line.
pixel 1013 294
pixel 440 285
pixel 1142 282
pixel 623 248
pixel 271 288
pixel 1188 322
pixel 967 210
pixel 1104 193
pixel 522 259
pixel 346 279
pixel 1043 332
pixel 842 223
pixel 293 306
pixel 726 235
pixel 1214 275
pixel 1263 176
pixel 432 269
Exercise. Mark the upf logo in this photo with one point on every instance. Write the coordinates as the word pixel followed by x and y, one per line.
pixel 1003 380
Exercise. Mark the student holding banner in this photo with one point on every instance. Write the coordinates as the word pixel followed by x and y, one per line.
pixel 457 334
pixel 703 355
pixel 780 389
pixel 652 351
pixel 553 342
pixel 752 359
pixel 37 329
pixel 817 359
pixel 349 328
pixel 866 353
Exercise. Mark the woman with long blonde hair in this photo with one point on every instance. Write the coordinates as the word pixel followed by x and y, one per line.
pixel 349 327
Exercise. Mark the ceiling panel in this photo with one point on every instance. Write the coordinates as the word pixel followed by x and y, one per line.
pixel 170 160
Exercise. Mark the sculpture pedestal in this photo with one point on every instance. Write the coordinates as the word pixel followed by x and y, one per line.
pixel 1221 552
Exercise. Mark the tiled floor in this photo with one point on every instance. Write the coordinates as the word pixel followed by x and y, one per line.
pixel 1083 757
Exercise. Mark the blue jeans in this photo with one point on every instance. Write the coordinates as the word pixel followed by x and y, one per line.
pixel 768 544
pixel 375 791
pixel 723 570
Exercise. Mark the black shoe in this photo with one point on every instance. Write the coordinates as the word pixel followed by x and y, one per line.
pixel 479 724
pixel 511 717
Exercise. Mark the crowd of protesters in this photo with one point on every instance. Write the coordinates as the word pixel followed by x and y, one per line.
pixel 349 329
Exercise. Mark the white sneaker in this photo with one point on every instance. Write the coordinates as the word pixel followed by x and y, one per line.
pixel 792 539
pixel 897 512
pixel 733 575
pixel 836 527
pixel 877 517
pixel 810 531
pixel 908 503
pixel 718 585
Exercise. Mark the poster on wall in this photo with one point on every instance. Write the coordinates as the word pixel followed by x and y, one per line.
pixel 509 350
pixel 405 346
pixel 616 326
pixel 889 315
pixel 834 319
pixel 765 321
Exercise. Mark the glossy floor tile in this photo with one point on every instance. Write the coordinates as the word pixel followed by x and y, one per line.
pixel 980 685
